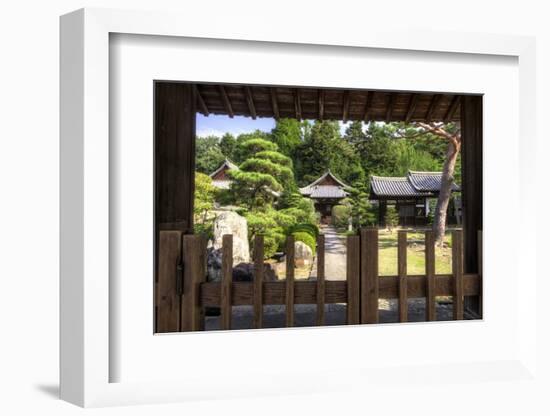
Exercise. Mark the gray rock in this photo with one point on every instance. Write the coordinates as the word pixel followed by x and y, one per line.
pixel 242 272
pixel 228 222
pixel 303 256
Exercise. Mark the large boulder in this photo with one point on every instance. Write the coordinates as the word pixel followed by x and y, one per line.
pixel 228 222
pixel 242 272
pixel 303 255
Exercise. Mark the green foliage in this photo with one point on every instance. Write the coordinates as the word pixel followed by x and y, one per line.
pixel 392 218
pixel 266 223
pixel 252 146
pixel 411 158
pixel 341 215
pixel 205 194
pixel 275 157
pixel 282 174
pixel 354 133
pixel 307 239
pixel 209 156
pixel 309 228
pixel 287 134
pixel 228 146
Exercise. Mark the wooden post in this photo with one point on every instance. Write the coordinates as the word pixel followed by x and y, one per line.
pixel 258 280
pixel 353 275
pixel 402 274
pixel 458 284
pixel 320 280
pixel 471 127
pixel 429 243
pixel 289 298
pixel 227 280
pixel 168 300
pixel 480 270
pixel 369 275
pixel 194 252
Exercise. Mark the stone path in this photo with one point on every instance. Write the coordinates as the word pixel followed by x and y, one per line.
pixel 335 255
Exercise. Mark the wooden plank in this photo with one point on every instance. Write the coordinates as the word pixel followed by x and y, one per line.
pixel 321 95
pixel 320 280
pixel 297 104
pixel 412 107
pixel 227 280
pixel 250 102
pixel 226 102
pixel 167 298
pixel 369 275
pixel 289 298
pixel 458 296
pixel 389 110
pixel 433 106
pixel 353 274
pixel 453 106
pixel 258 280
pixel 305 292
pixel 194 252
pixel 368 102
pixel 274 104
pixel 202 105
pixel 431 313
pixel 402 274
pixel 345 111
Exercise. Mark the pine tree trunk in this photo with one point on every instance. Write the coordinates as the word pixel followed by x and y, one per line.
pixel 447 179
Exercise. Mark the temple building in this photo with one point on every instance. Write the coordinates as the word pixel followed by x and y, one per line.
pixel 220 179
pixel 326 192
pixel 410 195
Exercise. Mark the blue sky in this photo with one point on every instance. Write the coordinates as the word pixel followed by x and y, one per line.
pixel 214 125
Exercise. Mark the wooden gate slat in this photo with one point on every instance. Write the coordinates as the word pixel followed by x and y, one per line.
pixel 458 283
pixel 289 300
pixel 353 275
pixel 321 280
pixel 402 273
pixel 480 270
pixel 429 243
pixel 168 301
pixel 227 280
pixel 258 280
pixel 369 275
pixel 194 252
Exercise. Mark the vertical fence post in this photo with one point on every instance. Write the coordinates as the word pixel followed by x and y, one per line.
pixel 258 280
pixel 194 252
pixel 369 275
pixel 320 280
pixel 402 273
pixel 458 283
pixel 353 275
pixel 168 296
pixel 289 281
pixel 429 251
pixel 480 270
pixel 227 280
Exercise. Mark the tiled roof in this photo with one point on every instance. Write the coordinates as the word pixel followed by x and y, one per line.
pixel 327 191
pixel 226 164
pixel 222 184
pixel 415 184
pixel 428 181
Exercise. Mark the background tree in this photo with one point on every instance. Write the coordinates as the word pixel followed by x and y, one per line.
pixel 209 156
pixel 287 135
pixel 228 146
pixel 391 218
pixel 205 194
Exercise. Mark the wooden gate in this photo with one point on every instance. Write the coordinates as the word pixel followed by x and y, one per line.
pixel 182 292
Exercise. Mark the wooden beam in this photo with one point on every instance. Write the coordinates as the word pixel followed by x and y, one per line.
pixel 194 253
pixel 305 291
pixel 353 276
pixel 345 113
pixel 320 280
pixel 369 276
pixel 368 103
pixel 258 280
pixel 250 102
pixel 402 272
pixel 273 93
pixel 297 104
pixel 452 109
pixel 389 110
pixel 226 102
pixel 412 106
pixel 321 96
pixel 289 280
pixel 200 100
pixel 168 294
pixel 227 280
pixel 433 106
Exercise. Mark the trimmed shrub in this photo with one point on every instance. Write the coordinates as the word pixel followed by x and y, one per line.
pixel 305 238
pixel 340 215
pixel 311 229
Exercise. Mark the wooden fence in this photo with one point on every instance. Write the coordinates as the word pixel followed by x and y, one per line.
pixel 182 292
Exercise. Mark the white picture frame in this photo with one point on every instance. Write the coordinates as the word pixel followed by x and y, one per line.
pixel 86 356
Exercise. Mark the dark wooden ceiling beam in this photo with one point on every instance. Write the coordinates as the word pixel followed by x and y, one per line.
pixel 345 112
pixel 250 102
pixel 274 104
pixel 389 109
pixel 452 109
pixel 202 104
pixel 412 107
pixel 433 106
pixel 321 98
pixel 226 102
pixel 368 103
pixel 297 104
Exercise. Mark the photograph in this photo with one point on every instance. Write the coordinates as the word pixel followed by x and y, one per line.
pixel 291 206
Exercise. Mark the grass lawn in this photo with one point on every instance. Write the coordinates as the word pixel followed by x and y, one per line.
pixel 387 260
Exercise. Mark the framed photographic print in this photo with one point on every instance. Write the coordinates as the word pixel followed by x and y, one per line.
pixel 229 204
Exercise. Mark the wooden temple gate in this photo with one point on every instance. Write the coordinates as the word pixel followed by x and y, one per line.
pixel 183 292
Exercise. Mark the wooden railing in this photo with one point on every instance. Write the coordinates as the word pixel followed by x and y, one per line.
pixel 183 293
